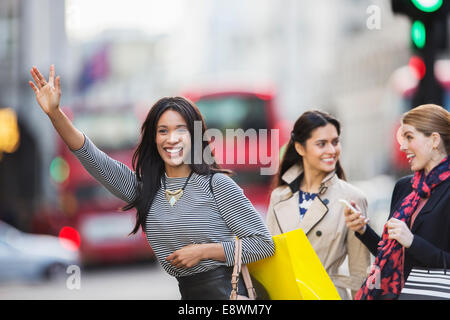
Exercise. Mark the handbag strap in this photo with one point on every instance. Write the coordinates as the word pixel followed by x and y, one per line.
pixel 236 268
pixel 237 263
pixel 236 272
pixel 248 283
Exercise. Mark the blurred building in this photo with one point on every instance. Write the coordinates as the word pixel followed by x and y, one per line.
pixel 118 68
pixel 9 52
pixel 32 33
pixel 360 87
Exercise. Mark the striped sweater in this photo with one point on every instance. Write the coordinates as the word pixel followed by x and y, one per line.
pixel 198 217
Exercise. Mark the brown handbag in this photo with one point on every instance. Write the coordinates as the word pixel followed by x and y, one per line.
pixel 238 268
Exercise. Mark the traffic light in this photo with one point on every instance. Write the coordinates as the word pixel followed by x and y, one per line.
pixel 428 37
pixel 428 5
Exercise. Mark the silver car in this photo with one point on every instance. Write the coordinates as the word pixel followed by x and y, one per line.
pixel 33 257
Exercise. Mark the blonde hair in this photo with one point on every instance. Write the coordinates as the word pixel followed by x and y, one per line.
pixel 429 118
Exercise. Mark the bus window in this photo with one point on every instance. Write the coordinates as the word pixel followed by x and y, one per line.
pixel 234 112
pixel 242 110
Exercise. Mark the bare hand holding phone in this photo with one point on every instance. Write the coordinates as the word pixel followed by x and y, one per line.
pixel 354 219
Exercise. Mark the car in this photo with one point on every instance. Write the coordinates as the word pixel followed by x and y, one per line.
pixel 33 257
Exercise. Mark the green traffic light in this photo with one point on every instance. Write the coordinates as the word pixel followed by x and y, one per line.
pixel 59 170
pixel 428 5
pixel 418 34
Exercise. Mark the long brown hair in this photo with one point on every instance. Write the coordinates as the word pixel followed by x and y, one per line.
pixel 147 162
pixel 302 131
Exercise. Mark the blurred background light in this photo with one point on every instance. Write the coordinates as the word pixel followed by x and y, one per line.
pixel 69 233
pixel 417 66
pixel 418 34
pixel 9 131
pixel 428 5
pixel 59 170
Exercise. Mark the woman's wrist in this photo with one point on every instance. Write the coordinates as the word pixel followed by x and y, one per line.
pixel 213 251
pixel 55 114
pixel 362 230
pixel 71 136
pixel 409 242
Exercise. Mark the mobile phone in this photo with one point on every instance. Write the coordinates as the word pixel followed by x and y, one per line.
pixel 348 205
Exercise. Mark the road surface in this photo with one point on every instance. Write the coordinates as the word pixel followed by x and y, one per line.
pixel 138 281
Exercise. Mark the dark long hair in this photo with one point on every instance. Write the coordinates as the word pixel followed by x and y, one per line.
pixel 302 131
pixel 147 162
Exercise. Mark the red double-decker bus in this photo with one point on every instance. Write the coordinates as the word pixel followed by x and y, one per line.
pixel 241 109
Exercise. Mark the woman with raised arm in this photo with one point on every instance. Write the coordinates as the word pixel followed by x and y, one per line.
pixel 190 212
pixel 309 185
pixel 417 233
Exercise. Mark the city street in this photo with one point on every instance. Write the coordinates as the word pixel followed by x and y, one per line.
pixel 108 108
pixel 137 282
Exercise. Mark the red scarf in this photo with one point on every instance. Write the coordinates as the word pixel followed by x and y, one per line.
pixel 386 277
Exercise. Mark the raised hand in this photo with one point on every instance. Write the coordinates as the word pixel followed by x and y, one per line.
pixel 48 94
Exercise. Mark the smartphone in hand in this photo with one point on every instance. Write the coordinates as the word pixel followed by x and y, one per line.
pixel 348 205
pixel 354 210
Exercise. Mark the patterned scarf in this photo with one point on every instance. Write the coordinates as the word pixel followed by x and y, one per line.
pixel 386 275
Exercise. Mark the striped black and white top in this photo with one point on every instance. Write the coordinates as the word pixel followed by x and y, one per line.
pixel 198 217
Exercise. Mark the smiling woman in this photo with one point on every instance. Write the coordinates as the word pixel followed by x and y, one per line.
pixel 417 233
pixel 310 184
pixel 190 213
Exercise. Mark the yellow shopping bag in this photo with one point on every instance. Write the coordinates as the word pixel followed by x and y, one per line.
pixel 294 272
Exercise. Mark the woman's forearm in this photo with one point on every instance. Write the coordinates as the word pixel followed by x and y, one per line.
pixel 370 239
pixel 72 137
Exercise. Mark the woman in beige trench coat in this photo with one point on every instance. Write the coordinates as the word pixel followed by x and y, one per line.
pixel 310 183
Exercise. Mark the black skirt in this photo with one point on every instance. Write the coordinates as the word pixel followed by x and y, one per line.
pixel 210 285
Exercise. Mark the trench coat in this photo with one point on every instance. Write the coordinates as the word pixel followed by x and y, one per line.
pixel 324 226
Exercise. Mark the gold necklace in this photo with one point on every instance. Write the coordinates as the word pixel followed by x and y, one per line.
pixel 174 196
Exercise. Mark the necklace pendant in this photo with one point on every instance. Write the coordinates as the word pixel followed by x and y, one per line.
pixel 173 196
